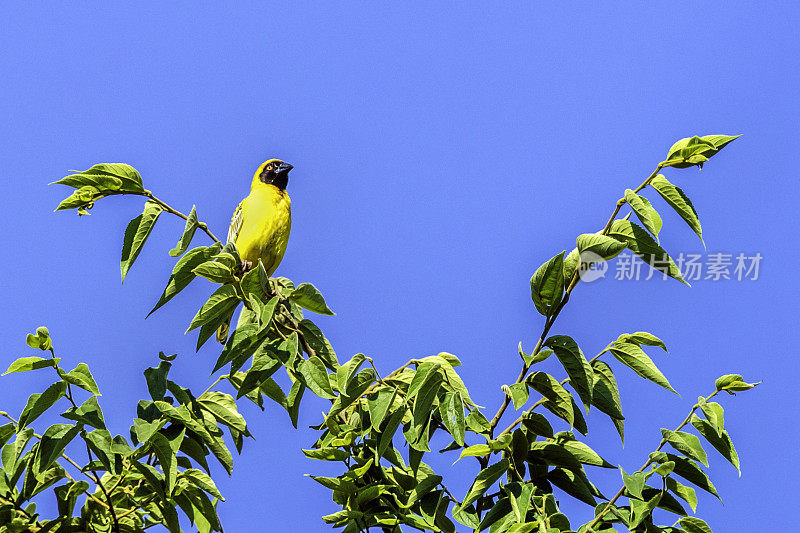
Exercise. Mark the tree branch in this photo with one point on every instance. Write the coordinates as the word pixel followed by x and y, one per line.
pixel 550 320
pixel 649 461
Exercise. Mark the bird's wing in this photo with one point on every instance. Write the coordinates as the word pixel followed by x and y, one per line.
pixel 236 222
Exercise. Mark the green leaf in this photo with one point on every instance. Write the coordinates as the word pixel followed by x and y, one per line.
pixel 80 376
pixel 24 364
pixel 182 273
pixel 691 524
pixel 571 263
pixel 632 356
pixel 53 442
pixel 218 307
pixel 202 481
pixel 722 443
pixel 696 150
pixel 223 407
pixel 691 472
pixel 316 376
pixel 188 232
pixel 551 389
pixel 425 372
pixel 581 375
pixel 519 394
pixel 484 480
pixel 648 216
pixel 387 434
pixel 166 458
pixel 598 245
pixel 476 450
pixel 642 338
pixel 451 411
pixel 88 413
pixel 682 491
pixel 714 413
pixel 128 177
pixel 240 346
pixel 214 271
pixel 678 200
pixel 327 454
pixel 606 392
pixel 642 244
pixel 573 483
pixel 308 297
pixel 641 509
pixel 547 285
pixel 686 443
pixel 322 348
pixel 39 403
pixel 634 483
pixel 733 383
pixel 379 404
pixel 136 235
pixel 537 424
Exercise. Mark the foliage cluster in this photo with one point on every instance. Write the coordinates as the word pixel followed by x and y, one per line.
pixel 377 428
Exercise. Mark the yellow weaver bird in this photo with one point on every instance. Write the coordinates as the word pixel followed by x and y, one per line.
pixel 261 223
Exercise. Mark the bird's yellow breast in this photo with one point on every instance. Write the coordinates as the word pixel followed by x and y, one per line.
pixel 266 223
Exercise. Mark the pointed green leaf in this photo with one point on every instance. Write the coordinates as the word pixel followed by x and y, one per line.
pixel 686 443
pixel 581 375
pixel 182 273
pixel 691 524
pixel 218 307
pixel 573 483
pixel 696 150
pixel 642 244
pixel 634 483
pixel 322 348
pixel 714 413
pixel 39 403
pixel 519 394
pixel 214 271
pixel 188 233
pixel 80 376
pixel 484 480
pixel 551 389
pixel 136 235
pixel 722 443
pixel 598 245
pixel 642 338
pixel 632 356
pixel 678 200
pixel 648 216
pixel 451 411
pixel 606 392
pixel 687 494
pixel 309 297
pixel 316 376
pixel 24 364
pixel 547 285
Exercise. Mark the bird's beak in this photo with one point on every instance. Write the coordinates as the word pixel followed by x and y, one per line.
pixel 284 168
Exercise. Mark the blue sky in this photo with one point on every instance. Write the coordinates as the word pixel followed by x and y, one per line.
pixel 442 153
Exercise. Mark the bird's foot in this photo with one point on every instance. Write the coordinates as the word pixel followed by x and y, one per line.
pixel 246 265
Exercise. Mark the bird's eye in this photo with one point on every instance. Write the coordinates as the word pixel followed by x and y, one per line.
pixel 269 167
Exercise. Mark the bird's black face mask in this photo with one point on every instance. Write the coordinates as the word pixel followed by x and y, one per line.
pixel 276 173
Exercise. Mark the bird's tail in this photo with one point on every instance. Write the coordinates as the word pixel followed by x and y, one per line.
pixel 223 330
